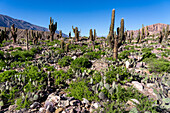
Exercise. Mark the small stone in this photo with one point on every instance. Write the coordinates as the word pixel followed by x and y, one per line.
pixel 34 105
pixel 47 103
pixel 150 85
pixel 74 57
pixel 85 101
pixel 42 110
pixel 127 64
pixel 96 105
pixel 58 110
pixel 107 86
pixel 74 102
pixel 133 102
pixel 102 95
pixel 12 108
pixel 50 108
pixel 137 85
pixel 64 103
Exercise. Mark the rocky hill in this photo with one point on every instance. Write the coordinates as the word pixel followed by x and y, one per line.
pixel 6 21
pixel 153 29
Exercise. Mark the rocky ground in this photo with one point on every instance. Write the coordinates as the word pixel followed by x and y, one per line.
pixel 47 79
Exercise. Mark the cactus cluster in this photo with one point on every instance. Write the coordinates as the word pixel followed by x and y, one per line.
pixel 52 28
pixel 35 36
pixel 115 41
pixel 14 33
pixel 3 35
pixel 76 32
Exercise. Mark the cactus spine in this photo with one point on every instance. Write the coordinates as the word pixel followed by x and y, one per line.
pixel 76 32
pixel 13 32
pixel 52 28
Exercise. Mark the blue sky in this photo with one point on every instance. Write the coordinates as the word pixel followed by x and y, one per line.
pixel 88 14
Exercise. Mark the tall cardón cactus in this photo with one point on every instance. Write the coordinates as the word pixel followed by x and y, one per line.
pixel 92 37
pixel 122 37
pixel 26 33
pixel 138 36
pixel 14 33
pixel 131 36
pixel 1 36
pixel 110 37
pixel 115 50
pixel 5 34
pixel 76 32
pixel 60 34
pixel 147 30
pixel 143 32
pixel 52 28
pixel 167 32
pixel 160 37
pixel 69 34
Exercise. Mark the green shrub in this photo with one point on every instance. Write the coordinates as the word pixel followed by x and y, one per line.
pixel 18 48
pixel 65 61
pixel 146 50
pixel 158 65
pixel 81 90
pixel 118 74
pixel 6 75
pixel 61 76
pixel 11 48
pixel 94 55
pixel 80 62
pixel 125 54
pixel 148 55
pixel 120 97
pixel 96 77
pixel 110 58
pixel 22 103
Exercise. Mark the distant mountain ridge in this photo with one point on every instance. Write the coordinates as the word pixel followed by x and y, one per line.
pixel 6 21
